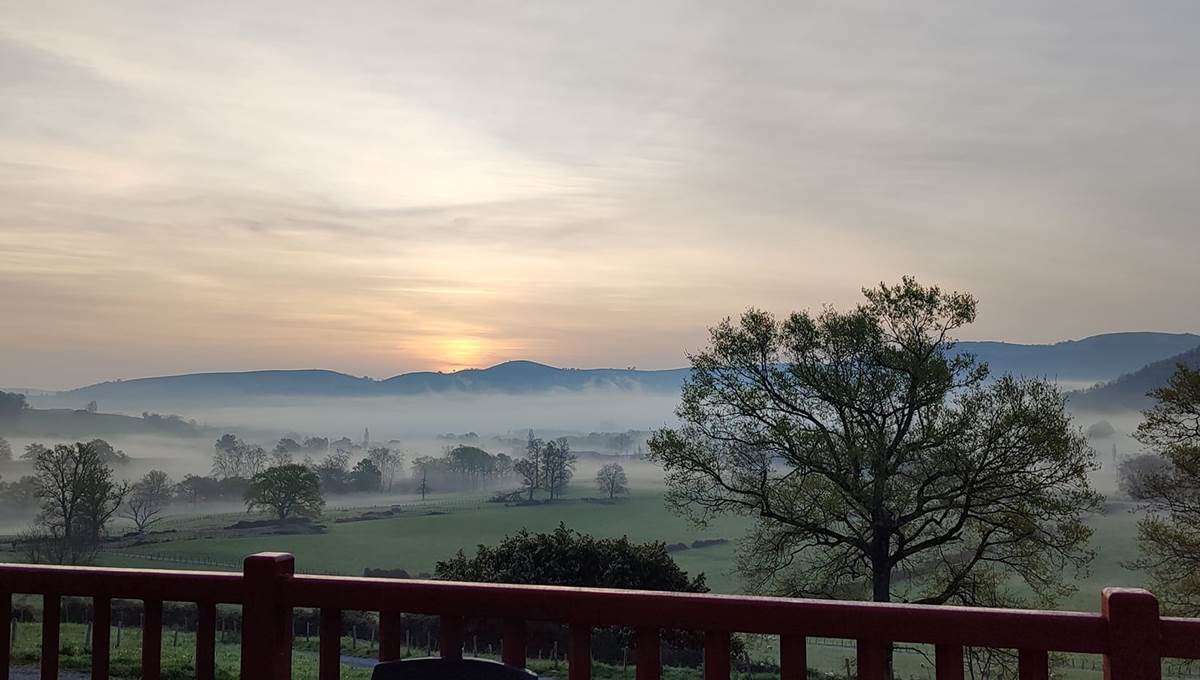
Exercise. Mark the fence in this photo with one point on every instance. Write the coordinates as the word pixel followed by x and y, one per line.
pixel 1128 631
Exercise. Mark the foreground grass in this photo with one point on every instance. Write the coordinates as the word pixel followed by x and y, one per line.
pixel 178 657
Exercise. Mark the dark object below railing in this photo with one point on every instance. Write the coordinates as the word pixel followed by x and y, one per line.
pixel 436 668
pixel 1128 631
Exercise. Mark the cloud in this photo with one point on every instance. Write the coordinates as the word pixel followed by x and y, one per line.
pixel 373 188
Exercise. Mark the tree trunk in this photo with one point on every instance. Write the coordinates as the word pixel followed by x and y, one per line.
pixel 881 583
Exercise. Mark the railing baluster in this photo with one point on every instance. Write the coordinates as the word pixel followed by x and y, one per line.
pixel 267 617
pixel 579 660
pixel 949 660
pixel 6 623
pixel 648 654
pixel 512 649
pixel 151 639
pixel 1134 636
pixel 716 655
pixel 101 632
pixel 206 640
pixel 450 637
pixel 793 657
pixel 1033 664
pixel 873 659
pixel 329 656
pixel 50 617
pixel 391 636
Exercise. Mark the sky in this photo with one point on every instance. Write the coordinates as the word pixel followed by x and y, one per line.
pixel 393 186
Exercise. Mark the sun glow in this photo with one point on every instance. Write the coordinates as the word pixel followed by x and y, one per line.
pixel 461 352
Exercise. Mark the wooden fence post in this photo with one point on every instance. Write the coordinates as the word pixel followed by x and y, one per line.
pixel 1134 635
pixel 267 617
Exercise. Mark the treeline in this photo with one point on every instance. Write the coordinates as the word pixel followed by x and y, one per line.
pixel 628 443
pixel 342 467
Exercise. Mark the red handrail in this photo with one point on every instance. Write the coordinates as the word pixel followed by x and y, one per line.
pixel 1128 631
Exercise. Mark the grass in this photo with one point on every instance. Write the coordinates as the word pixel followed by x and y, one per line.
pixel 178 657
pixel 416 540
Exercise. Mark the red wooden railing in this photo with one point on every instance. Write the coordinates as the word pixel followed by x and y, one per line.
pixel 1128 631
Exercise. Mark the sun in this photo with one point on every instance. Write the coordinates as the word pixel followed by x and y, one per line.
pixel 461 352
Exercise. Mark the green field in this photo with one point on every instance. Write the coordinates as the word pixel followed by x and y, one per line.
pixel 425 533
pixel 416 540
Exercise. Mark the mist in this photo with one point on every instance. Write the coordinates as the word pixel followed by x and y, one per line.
pixel 427 415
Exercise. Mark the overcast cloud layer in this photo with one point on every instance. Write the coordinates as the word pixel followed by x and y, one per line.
pixel 381 187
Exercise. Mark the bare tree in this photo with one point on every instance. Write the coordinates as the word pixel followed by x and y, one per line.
pixel 421 467
pixel 530 467
pixel 78 498
pixel 147 499
pixel 389 461
pixel 558 466
pixel 612 480
pixel 237 459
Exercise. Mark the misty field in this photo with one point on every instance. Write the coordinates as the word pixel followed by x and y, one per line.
pixel 424 533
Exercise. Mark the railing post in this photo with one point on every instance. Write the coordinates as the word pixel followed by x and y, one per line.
pixel 51 611
pixel 716 655
pixel 6 623
pixel 793 657
pixel 1134 635
pixel 450 637
pixel 390 636
pixel 267 617
pixel 648 652
pixel 579 653
pixel 512 649
pixel 206 640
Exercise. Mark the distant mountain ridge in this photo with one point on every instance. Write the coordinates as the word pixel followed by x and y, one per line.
pixel 1129 392
pixel 1096 359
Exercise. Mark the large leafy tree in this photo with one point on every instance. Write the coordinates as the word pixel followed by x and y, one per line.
pixel 565 557
pixel 286 490
pixel 879 463
pixel 1169 535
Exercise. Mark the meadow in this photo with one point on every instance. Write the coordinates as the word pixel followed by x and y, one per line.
pixel 424 532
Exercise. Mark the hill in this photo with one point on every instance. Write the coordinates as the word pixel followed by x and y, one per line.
pixel 70 423
pixel 1096 358
pixel 1128 392
pixel 1093 359
pixel 528 376
pixel 205 386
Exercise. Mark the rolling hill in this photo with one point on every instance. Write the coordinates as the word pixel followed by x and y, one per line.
pixel 71 423
pixel 1128 392
pixel 1095 359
